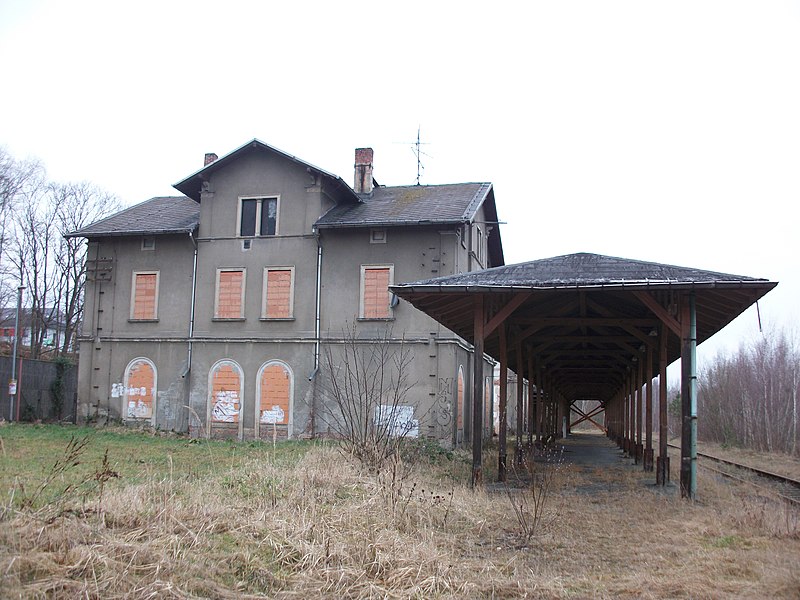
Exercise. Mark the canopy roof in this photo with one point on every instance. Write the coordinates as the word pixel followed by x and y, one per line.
pixel 586 318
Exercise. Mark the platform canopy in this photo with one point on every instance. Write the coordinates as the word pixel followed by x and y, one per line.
pixel 586 317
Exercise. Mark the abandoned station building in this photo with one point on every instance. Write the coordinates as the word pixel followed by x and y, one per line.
pixel 209 312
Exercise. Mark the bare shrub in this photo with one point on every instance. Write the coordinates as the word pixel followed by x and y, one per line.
pixel 366 382
pixel 529 504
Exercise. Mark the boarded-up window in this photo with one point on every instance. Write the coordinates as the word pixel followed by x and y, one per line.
pixel 278 293
pixel 275 388
pixel 230 294
pixel 226 391
pixel 140 389
pixel 375 282
pixel 460 398
pixel 488 400
pixel 144 304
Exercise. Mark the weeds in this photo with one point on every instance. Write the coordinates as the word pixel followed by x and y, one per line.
pixel 530 503
pixel 169 530
pixel 68 460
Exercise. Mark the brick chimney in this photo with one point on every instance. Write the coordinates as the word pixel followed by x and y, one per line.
pixel 363 180
pixel 210 157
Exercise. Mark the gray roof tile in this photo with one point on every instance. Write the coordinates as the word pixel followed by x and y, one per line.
pixel 581 270
pixel 157 216
pixel 412 204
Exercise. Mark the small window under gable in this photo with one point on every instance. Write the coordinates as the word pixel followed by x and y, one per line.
pixel 148 243
pixel 258 216
pixel 377 235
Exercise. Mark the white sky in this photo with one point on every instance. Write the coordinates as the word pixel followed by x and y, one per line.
pixel 663 131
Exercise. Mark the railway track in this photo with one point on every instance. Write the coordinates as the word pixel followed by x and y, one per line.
pixel 789 489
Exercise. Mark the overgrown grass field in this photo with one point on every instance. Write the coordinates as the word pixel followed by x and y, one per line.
pixel 99 513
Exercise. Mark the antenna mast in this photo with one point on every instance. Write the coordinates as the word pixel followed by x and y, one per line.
pixel 418 153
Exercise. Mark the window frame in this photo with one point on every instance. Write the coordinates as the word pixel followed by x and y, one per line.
pixel 131 316
pixel 265 281
pixel 154 392
pixel 210 402
pixel 378 235
pixel 259 208
pixel 220 270
pixel 390 310
pixel 289 425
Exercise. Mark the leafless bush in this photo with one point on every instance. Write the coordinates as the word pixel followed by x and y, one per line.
pixel 529 503
pixel 366 383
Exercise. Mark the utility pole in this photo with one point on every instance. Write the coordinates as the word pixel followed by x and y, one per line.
pixel 12 385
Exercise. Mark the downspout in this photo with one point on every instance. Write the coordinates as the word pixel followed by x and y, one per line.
pixel 317 320
pixel 191 309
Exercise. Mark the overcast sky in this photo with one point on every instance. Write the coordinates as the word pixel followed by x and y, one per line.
pixel 665 131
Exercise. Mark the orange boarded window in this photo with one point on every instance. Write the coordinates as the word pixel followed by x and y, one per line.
pixel 230 294
pixel 460 398
pixel 225 393
pixel 139 390
pixel 278 291
pixel 274 394
pixel 375 292
pixel 145 296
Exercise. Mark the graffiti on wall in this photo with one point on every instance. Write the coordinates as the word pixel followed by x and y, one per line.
pixel 226 406
pixel 444 408
pixel 398 421
pixel 273 415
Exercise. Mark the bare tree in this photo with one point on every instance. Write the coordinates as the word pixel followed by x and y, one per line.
pixel 76 206
pixel 750 398
pixel 366 382
pixel 19 181
pixel 51 267
pixel 32 254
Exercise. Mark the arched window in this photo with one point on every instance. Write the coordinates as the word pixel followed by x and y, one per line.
pixel 140 390
pixel 225 396
pixel 275 393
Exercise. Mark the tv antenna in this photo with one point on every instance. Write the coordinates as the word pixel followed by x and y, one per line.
pixel 418 153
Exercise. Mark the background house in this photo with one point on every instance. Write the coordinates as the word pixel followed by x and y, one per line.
pixel 208 312
pixel 51 325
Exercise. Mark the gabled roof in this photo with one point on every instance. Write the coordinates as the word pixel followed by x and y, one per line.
pixel 583 270
pixel 420 205
pixel 192 184
pixel 157 216
pixel 586 318
pixel 410 204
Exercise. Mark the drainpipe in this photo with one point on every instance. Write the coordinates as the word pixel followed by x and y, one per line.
pixel 317 311
pixel 191 310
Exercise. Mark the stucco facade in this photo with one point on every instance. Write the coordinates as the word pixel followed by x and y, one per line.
pixel 194 321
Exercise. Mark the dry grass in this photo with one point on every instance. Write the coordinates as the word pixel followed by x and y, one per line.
pixel 318 526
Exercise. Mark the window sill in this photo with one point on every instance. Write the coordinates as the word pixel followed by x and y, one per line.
pixel 265 319
pixel 384 319
pixel 228 320
pixel 142 320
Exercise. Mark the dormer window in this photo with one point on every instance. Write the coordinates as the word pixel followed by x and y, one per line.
pixel 258 216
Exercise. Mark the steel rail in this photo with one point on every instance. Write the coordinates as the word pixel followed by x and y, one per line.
pixel 795 484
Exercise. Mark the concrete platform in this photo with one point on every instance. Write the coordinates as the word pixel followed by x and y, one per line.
pixel 592 450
